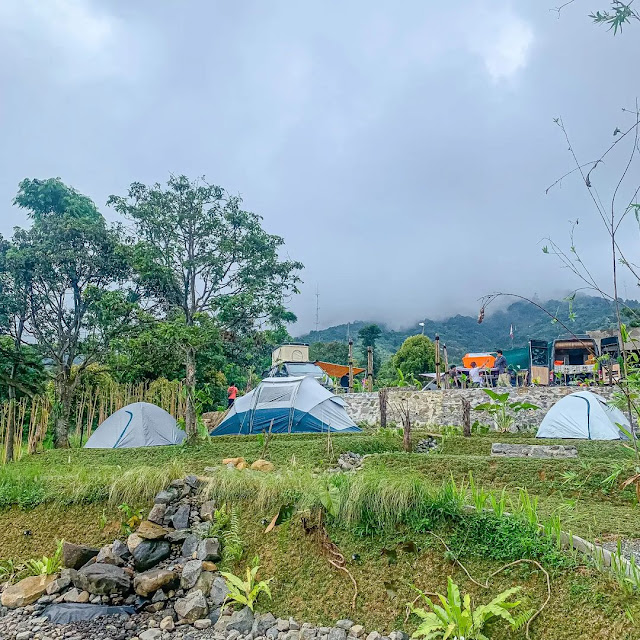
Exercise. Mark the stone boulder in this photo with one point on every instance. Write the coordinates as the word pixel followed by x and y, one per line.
pixel 157 513
pixel 234 461
pixel 190 546
pixel 148 582
pixel 60 583
pixel 180 519
pixel 151 531
pixel 262 623
pixel 26 591
pixel 133 541
pixel 193 607
pixel 241 621
pixel 208 550
pixel 263 465
pixel 75 556
pixel 219 591
pixel 207 510
pixel 167 497
pixel 190 574
pixel 107 556
pixel 149 553
pixel 103 580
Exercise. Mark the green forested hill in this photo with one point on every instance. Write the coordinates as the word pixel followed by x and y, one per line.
pixel 463 334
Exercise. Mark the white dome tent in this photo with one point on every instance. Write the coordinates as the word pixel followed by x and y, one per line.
pixel 137 425
pixel 583 415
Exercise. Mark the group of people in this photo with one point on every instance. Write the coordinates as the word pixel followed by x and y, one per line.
pixel 476 377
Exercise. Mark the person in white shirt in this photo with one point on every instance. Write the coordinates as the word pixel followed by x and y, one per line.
pixel 474 374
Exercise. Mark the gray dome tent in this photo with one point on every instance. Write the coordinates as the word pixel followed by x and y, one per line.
pixel 137 425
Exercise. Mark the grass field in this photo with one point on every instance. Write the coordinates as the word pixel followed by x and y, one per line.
pixel 382 523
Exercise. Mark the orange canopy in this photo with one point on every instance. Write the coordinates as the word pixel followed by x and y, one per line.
pixel 337 370
pixel 481 359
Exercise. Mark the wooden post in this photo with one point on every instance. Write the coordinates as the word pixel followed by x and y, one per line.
pixel 466 417
pixel 382 399
pixel 437 360
pixel 369 368
pixel 447 379
pixel 350 365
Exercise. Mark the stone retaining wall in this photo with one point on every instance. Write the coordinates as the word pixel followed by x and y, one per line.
pixel 439 408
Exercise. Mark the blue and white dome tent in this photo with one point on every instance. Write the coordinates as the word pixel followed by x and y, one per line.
pixel 293 404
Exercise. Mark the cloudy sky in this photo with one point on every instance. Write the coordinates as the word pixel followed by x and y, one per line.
pixel 401 149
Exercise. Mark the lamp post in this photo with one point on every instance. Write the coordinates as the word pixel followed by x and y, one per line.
pixel 421 324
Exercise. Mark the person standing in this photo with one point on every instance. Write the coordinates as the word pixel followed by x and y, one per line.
pixel 501 365
pixel 475 375
pixel 232 394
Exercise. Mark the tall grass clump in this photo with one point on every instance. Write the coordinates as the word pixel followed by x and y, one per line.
pixel 140 484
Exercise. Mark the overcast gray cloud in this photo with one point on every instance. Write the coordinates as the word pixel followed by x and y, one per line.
pixel 418 135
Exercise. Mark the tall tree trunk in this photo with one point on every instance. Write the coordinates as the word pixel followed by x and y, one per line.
pixel 63 411
pixel 190 410
pixel 11 426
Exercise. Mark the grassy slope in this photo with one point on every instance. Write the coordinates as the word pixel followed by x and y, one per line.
pixel 73 488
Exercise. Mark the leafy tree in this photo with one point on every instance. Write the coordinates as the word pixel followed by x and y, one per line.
pixel 336 352
pixel 416 355
pixel 198 252
pixel 368 337
pixel 75 262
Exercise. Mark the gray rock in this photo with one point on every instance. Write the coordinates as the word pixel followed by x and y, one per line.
pixel 282 624
pixel 166 497
pixel 190 546
pixel 106 556
pixel 221 625
pixel 208 550
pixel 159 596
pixel 374 635
pixel 241 621
pixel 219 592
pixel 157 513
pixel 75 556
pixel 151 634
pixel 192 607
pixel 205 582
pixel 120 550
pixel 205 623
pixel 356 631
pixel 175 537
pixel 309 633
pixel 207 510
pixel 190 574
pixel 201 529
pixel 149 553
pixel 337 633
pixel 272 634
pixel 345 624
pixel 398 635
pixel 293 625
pixel 180 519
pixel 103 580
pixel 192 481
pixel 61 583
pixel 23 635
pixel 262 623
pixel 292 634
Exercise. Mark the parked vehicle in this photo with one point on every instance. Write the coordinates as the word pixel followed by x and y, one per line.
pixel 575 360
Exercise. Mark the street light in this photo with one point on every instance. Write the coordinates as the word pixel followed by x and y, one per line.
pixel 421 324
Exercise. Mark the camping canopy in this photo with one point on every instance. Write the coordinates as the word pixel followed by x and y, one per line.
pixel 583 415
pixel 287 405
pixel 137 425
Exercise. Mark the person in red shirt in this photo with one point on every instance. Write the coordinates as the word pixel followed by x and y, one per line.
pixel 232 393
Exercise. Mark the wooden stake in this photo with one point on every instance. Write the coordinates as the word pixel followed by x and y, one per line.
pixel 369 368
pixel 466 417
pixel 447 379
pixel 350 365
pixel 382 398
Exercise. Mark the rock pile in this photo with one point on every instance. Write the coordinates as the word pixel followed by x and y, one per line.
pixel 426 445
pixel 349 461
pixel 162 583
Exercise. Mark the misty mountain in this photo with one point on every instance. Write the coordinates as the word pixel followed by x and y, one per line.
pixel 463 334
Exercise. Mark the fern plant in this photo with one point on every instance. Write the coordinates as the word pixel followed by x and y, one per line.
pixel 45 565
pixel 247 591
pixel 456 620
pixel 232 545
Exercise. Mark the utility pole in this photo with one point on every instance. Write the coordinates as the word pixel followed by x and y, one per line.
pixel 370 368
pixel 317 308
pixel 438 360
pixel 350 365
